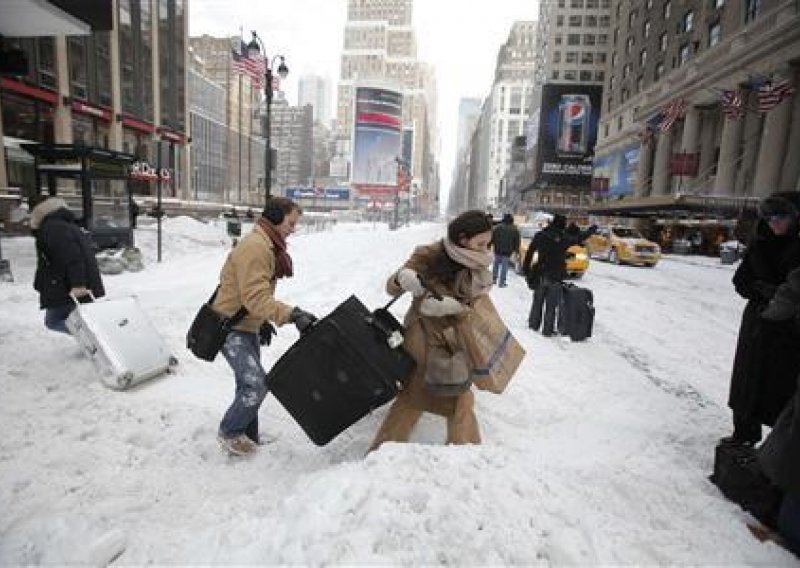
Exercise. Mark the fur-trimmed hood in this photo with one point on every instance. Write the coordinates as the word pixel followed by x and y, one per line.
pixel 45 208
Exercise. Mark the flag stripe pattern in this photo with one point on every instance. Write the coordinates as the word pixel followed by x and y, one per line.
pixel 252 67
pixel 772 94
pixel 732 104
pixel 672 112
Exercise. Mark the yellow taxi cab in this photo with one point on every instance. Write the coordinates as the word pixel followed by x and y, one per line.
pixel 577 255
pixel 623 245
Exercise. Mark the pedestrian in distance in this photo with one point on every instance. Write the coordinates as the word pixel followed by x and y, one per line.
pixel 445 278
pixel 66 268
pixel 505 241
pixel 547 275
pixel 767 359
pixel 249 279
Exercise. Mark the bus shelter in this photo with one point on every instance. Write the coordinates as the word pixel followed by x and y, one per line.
pixel 95 183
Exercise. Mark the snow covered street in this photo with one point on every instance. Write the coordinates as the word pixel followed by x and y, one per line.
pixel 598 452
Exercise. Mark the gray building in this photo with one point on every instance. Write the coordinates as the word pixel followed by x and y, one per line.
pixel 292 136
pixel 315 90
pixel 679 58
pixel 209 138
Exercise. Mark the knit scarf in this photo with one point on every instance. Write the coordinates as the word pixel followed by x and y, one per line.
pixel 477 262
pixel 283 262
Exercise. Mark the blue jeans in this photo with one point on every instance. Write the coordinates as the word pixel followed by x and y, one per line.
pixel 789 522
pixel 242 351
pixel 55 318
pixel 500 265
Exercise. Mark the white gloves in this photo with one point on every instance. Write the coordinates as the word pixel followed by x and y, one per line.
pixel 409 281
pixel 447 306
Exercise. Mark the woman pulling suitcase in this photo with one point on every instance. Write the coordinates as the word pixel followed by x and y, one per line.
pixel 445 278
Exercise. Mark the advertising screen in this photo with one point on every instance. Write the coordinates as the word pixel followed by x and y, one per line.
pixel 568 133
pixel 619 169
pixel 377 138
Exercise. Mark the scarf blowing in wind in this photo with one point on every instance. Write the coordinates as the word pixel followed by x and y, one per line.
pixel 477 262
pixel 283 262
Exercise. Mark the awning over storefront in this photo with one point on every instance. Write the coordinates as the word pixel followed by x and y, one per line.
pixel 31 18
pixel 690 206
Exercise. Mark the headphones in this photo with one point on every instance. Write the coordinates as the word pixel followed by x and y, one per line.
pixel 273 213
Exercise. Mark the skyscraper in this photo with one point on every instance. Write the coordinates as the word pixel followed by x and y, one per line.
pixel 315 90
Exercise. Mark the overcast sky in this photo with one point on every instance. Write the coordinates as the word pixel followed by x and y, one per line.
pixel 459 37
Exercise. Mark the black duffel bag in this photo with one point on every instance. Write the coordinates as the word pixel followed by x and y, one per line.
pixel 209 330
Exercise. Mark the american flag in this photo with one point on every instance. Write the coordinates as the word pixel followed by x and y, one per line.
pixel 772 94
pixel 732 104
pixel 672 112
pixel 252 67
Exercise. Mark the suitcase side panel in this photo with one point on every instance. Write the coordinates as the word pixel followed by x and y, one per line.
pixel 122 343
pixel 578 312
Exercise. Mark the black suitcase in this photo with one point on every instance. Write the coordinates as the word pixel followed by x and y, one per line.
pixel 738 474
pixel 341 369
pixel 576 312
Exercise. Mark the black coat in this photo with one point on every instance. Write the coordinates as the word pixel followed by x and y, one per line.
pixel 780 452
pixel 65 260
pixel 767 359
pixel 505 239
pixel 551 244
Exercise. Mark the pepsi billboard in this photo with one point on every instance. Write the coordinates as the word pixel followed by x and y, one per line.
pixel 568 123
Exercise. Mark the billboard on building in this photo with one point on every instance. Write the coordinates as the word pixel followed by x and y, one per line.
pixel 377 140
pixel 617 169
pixel 568 133
pixel 323 193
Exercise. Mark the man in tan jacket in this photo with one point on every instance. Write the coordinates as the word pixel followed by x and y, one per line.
pixel 248 279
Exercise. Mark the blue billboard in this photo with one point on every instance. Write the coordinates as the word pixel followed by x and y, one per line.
pixel 327 193
pixel 618 168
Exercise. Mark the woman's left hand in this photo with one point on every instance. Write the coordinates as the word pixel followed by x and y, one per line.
pixel 446 306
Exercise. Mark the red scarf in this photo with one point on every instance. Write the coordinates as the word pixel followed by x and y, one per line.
pixel 283 262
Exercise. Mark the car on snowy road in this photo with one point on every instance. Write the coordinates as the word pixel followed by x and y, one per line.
pixel 577 256
pixel 626 245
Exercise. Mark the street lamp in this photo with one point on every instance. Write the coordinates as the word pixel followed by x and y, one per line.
pixel 255 49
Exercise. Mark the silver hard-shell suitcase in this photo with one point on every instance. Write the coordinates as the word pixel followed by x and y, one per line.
pixel 118 337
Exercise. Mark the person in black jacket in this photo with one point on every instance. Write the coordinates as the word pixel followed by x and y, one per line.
pixel 65 266
pixel 547 275
pixel 505 241
pixel 767 359
pixel 779 455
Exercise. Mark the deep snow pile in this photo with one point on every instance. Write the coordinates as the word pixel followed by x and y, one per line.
pixel 596 454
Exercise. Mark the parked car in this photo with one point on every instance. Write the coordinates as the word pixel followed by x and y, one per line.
pixel 623 245
pixel 577 256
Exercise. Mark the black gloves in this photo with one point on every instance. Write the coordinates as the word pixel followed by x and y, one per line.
pixel 302 319
pixel 266 332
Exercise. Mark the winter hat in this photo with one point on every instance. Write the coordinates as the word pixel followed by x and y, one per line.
pixel 559 221
pixel 508 219
pixel 775 205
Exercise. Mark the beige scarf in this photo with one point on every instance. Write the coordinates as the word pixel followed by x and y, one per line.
pixel 478 279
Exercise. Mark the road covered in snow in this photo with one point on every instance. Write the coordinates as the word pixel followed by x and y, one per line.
pixel 597 453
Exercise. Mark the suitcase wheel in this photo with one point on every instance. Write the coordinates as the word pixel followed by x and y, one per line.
pixel 124 380
pixel 173 361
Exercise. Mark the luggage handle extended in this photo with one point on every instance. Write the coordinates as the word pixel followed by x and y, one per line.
pixel 78 302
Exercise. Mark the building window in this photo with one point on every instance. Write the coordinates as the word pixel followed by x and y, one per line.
pixel 556 57
pixel 687 24
pixel 599 76
pixel 555 75
pixel 558 39
pixel 629 46
pixel 646 28
pixel 589 39
pixel 631 18
pixel 639 84
pixel 78 67
pixel 587 58
pixel 591 4
pixel 562 3
pixel 751 10
pixel 659 71
pixel 573 39
pixel 600 57
pixel 684 54
pixel 662 41
pixel 605 21
pixel 642 58
pixel 570 75
pixel 591 21
pixel 649 4
pixel 717 3
pixel 576 4
pixel 572 57
pixel 667 9
pixel 575 21
pixel 559 21
pixel 619 118
pixel 714 34
pixel 616 35
pixel 46 50
pixel 626 70
pixel 605 4
pixel 516 101
pixel 602 39
pixel 611 81
pixel 585 76
pixel 614 59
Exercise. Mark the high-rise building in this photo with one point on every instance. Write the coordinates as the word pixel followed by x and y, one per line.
pixel 469 111
pixel 315 90
pixel 292 136
pixel 123 89
pixel 209 137
pixel 380 45
pixel 689 94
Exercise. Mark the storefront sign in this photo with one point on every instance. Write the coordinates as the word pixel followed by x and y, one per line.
pixel 324 193
pixel 145 172
pixel 83 108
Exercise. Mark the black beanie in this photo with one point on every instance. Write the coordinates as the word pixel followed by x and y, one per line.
pixel 776 205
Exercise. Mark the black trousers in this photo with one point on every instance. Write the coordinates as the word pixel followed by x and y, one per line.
pixel 547 297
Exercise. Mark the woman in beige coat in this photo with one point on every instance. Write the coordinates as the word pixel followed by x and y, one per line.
pixel 445 278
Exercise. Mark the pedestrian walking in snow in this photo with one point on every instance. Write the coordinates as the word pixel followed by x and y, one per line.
pixel 767 359
pixel 248 279
pixel 445 278
pixel 546 276
pixel 66 268
pixel 505 241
